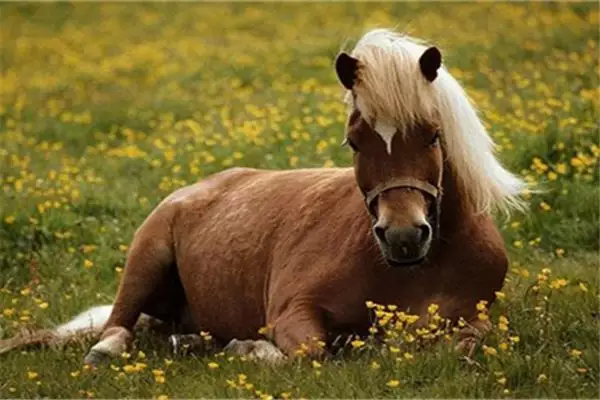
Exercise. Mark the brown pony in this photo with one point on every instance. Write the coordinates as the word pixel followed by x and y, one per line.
pixel 301 251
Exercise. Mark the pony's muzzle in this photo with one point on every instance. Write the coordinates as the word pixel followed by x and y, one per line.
pixel 404 245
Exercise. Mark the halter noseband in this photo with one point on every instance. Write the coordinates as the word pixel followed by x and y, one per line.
pixel 412 183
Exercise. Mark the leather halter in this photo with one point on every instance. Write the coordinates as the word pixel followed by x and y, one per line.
pixel 412 183
pixel 406 182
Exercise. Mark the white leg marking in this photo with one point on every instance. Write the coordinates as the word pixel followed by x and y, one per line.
pixel 112 345
pixel 89 320
pixel 258 350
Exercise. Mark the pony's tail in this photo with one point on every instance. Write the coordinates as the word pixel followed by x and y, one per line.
pixel 87 324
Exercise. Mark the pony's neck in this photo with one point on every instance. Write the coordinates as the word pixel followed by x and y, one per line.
pixel 457 206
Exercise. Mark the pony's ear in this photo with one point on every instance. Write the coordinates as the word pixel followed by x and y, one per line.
pixel 429 62
pixel 346 68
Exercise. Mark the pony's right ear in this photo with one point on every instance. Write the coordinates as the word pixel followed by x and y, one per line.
pixel 346 68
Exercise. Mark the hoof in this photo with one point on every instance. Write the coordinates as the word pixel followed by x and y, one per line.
pixel 186 344
pixel 96 358
pixel 256 350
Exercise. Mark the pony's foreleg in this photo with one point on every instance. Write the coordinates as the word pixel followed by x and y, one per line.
pixel 470 335
pixel 148 262
pixel 300 331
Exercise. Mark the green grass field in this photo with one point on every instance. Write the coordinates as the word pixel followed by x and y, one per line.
pixel 107 108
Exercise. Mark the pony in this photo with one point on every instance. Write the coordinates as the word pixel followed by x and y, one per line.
pixel 300 251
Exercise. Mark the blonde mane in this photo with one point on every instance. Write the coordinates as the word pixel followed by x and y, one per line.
pixel 391 90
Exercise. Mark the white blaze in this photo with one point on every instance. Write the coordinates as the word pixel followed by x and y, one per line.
pixel 386 131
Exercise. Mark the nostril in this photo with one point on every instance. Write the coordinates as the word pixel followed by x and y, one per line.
pixel 424 232
pixel 380 233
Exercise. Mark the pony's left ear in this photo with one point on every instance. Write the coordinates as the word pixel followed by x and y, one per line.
pixel 346 68
pixel 430 62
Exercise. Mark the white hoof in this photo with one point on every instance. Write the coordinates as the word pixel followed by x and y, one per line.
pixel 256 350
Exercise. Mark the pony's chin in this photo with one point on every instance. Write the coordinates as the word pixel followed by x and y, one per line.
pixel 405 263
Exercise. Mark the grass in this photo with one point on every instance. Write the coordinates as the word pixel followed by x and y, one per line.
pixel 106 108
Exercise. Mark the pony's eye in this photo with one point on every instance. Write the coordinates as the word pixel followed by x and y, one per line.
pixel 436 140
pixel 351 144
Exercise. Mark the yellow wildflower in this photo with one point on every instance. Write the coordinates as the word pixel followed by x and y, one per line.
pixel 575 353
pixel 433 308
pixel 490 351
pixel 393 383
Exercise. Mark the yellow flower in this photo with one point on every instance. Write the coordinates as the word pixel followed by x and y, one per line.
pixel 316 364
pixel 88 264
pixel 213 365
pixel 375 365
pixel 541 378
pixel 575 353
pixel 43 305
pixel 490 351
pixel 129 368
pixel 393 383
pixel 162 397
pixel 9 220
pixel 8 312
pixel 408 356
pixel 501 381
pixel 558 283
pixel 32 375
pixel 503 346
pixel 500 295
pixel 559 252
pixel 357 343
pixel 432 309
